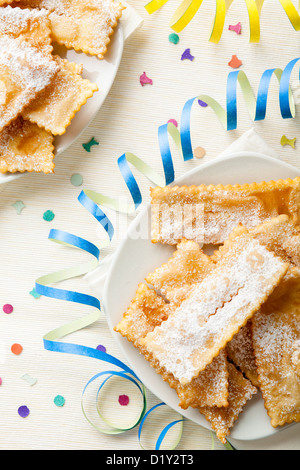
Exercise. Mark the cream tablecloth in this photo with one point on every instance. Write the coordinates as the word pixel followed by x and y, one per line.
pixel 128 121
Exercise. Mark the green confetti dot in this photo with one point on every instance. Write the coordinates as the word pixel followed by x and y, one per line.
pixel 90 144
pixel 48 216
pixel 174 38
pixel 59 400
pixel 34 293
pixel 76 179
pixel 19 206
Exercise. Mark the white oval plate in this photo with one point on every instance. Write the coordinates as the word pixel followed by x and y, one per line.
pixel 137 256
pixel 102 72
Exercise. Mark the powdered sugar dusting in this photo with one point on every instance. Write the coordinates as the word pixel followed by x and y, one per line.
pixel 240 391
pixel 14 20
pixel 216 309
pixel 240 351
pixel 276 340
pixel 224 208
pixel 27 63
pixel 25 71
pixel 85 26
pixel 148 310
pixel 25 147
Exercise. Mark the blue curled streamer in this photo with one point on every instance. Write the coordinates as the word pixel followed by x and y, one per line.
pixel 96 212
pixel 165 429
pixel 124 375
pixel 227 116
pixel 166 155
pixel 88 200
pixel 50 340
pixel 130 180
pixel 285 98
pixel 69 239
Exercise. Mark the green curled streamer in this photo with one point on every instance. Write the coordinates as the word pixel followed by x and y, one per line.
pixel 164 430
pixel 112 429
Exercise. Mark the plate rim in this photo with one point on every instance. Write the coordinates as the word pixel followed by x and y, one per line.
pixel 119 249
pixel 118 30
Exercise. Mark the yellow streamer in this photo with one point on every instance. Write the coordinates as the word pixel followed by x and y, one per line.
pixel 188 8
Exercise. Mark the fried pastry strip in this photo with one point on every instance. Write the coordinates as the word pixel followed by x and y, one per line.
pixel 224 207
pixel 32 26
pixel 26 147
pixel 148 310
pixel 7 2
pixel 279 235
pixel 216 309
pixel 189 265
pixel 56 106
pixel 25 71
pixel 240 392
pixel 276 341
pixel 240 351
pixel 81 25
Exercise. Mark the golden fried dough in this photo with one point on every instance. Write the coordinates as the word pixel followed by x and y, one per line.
pixel 276 342
pixel 240 392
pixel 32 26
pixel 85 26
pixel 224 207
pixel 279 235
pixel 240 351
pixel 25 71
pixel 26 147
pixel 216 309
pixel 148 310
pixel 56 106
pixel 187 266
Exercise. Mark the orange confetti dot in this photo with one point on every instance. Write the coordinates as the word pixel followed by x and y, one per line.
pixel 235 62
pixel 16 348
pixel 199 152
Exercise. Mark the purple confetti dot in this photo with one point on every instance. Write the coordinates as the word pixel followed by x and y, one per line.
pixel 100 347
pixel 187 55
pixel 7 308
pixel 123 400
pixel 23 411
pixel 202 103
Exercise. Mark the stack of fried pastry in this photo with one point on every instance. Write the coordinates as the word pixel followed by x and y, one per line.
pixel 220 327
pixel 40 92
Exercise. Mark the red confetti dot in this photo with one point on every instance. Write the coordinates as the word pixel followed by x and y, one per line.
pixel 16 349
pixel 7 308
pixel 144 80
pixel 173 121
pixel 123 400
pixel 0 381
pixel 236 27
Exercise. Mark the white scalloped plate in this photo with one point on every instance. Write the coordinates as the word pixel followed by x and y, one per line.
pixel 137 256
pixel 102 72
